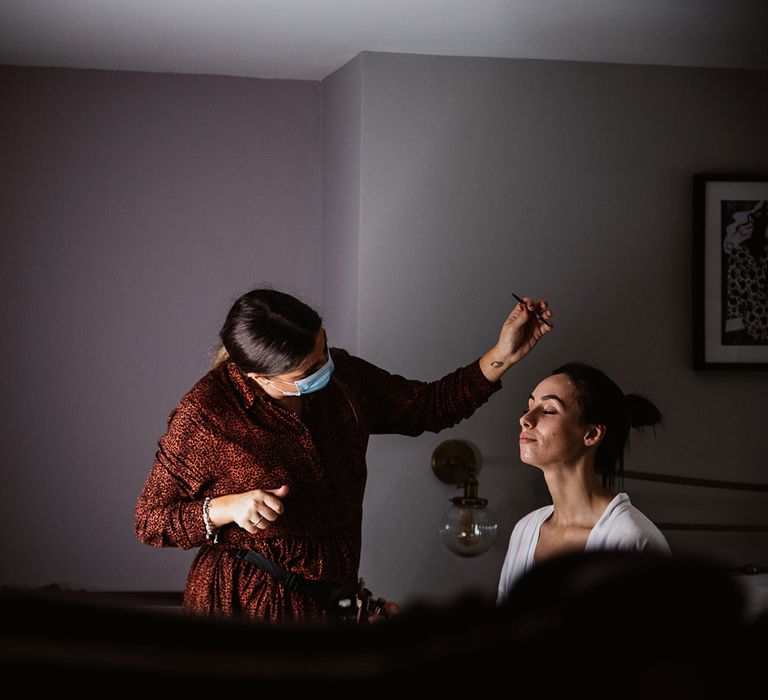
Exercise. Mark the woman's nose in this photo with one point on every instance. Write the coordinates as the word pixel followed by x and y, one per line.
pixel 525 420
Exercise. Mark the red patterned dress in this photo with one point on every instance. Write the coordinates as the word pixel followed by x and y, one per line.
pixel 226 436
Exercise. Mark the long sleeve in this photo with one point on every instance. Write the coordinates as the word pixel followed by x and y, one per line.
pixel 169 508
pixel 410 407
pixel 226 436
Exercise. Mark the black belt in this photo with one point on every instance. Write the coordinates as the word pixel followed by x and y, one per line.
pixel 326 594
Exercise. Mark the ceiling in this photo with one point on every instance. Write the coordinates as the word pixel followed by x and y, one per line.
pixel 309 39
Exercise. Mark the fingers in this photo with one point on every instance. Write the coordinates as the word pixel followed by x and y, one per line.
pixel 271 507
pixel 273 504
pixel 262 508
pixel 266 515
pixel 383 610
pixel 540 310
pixel 248 526
pixel 545 313
pixel 541 306
pixel 260 517
pixel 254 522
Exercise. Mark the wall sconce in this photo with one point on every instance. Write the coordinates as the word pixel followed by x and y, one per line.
pixel 468 527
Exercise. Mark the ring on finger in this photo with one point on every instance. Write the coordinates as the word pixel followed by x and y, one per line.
pixel 256 524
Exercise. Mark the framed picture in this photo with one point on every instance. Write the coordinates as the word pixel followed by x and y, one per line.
pixel 730 258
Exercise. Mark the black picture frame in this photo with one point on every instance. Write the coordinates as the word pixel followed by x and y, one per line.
pixel 730 283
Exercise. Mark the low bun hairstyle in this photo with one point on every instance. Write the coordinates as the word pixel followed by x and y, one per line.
pixel 268 332
pixel 641 411
pixel 603 402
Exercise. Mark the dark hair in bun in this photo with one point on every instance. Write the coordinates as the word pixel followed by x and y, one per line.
pixel 641 411
pixel 603 402
pixel 269 332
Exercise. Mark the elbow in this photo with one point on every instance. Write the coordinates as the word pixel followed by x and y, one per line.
pixel 151 528
pixel 145 527
pixel 144 533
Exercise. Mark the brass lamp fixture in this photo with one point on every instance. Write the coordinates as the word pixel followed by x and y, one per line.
pixel 468 527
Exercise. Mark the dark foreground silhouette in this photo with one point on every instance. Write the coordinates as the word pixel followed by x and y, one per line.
pixel 610 624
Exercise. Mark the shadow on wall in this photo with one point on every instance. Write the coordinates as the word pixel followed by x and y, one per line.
pixel 604 623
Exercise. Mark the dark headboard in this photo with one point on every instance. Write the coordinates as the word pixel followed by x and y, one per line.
pixel 710 527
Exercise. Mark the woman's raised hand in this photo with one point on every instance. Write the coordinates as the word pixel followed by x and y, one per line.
pixel 527 323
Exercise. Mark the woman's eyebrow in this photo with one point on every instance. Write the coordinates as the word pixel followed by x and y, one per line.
pixel 548 397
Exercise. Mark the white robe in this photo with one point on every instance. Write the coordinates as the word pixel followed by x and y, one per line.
pixel 621 526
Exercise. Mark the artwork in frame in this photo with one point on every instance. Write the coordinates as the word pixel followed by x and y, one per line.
pixel 730 258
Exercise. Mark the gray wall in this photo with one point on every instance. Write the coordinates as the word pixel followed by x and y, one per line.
pixel 570 181
pixel 135 208
pixel 342 121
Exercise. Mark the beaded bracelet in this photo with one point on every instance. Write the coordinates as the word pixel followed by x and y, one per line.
pixel 210 530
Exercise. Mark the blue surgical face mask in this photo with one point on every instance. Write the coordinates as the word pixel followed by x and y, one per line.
pixel 314 382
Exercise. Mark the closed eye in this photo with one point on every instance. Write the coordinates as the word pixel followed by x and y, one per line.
pixel 544 411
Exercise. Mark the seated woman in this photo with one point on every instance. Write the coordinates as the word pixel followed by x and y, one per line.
pixel 575 429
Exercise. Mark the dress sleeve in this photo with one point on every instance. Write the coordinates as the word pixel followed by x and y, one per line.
pixel 169 510
pixel 410 407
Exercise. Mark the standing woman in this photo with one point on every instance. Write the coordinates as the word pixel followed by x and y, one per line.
pixel 575 429
pixel 263 463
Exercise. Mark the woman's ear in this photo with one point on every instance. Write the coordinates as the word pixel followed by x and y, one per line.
pixel 594 436
pixel 257 378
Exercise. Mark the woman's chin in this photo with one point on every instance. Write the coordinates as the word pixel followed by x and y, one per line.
pixel 527 459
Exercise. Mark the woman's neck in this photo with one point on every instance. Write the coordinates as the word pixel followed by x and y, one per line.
pixel 290 403
pixel 577 496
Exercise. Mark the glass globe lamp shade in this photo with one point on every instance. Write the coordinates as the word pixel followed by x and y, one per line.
pixel 468 528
